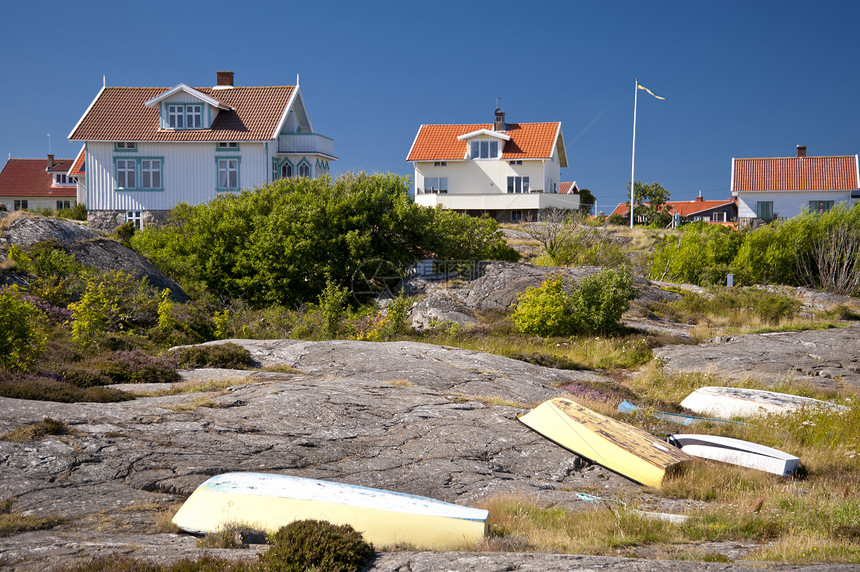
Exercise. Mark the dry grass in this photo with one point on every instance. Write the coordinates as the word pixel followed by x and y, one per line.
pixel 399 382
pixel 490 400
pixel 37 430
pixel 196 403
pixel 204 386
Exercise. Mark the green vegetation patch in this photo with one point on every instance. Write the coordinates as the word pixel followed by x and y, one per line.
pixel 37 430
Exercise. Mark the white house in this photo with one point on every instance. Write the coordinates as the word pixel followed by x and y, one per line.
pixel 509 171
pixel 146 149
pixel 781 187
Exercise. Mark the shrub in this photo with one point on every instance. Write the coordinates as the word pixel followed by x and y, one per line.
pixel 618 220
pixel 127 367
pixel 702 255
pixel 315 545
pixel 227 356
pixel 21 338
pixel 594 306
pixel 332 304
pixel 40 387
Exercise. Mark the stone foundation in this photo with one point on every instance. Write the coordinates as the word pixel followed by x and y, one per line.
pixel 107 221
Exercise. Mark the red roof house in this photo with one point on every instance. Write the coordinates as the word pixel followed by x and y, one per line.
pixel 782 187
pixel 37 183
pixel 509 171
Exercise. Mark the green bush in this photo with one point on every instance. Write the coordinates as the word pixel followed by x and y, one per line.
pixel 594 306
pixel 618 220
pixel 226 356
pixel 281 244
pixel 318 546
pixel 21 338
pixel 703 255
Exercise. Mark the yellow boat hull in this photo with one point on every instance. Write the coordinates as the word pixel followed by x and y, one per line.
pixel 268 502
pixel 618 446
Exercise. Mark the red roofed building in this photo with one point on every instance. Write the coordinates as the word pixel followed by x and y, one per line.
pixel 37 183
pixel 150 148
pixel 781 187
pixel 698 210
pixel 509 171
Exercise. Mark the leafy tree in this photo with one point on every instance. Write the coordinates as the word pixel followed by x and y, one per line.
pixel 281 244
pixel 648 200
pixel 586 201
pixel 21 338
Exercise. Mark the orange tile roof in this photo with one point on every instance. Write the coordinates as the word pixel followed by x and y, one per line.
pixel 689 208
pixel 119 114
pixel 28 178
pixel 440 143
pixel 565 188
pixel 78 168
pixel 795 174
pixel 683 208
pixel 60 166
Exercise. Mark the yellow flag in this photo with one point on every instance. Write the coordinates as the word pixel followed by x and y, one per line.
pixel 651 92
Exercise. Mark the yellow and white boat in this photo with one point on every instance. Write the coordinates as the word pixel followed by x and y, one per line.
pixel 268 502
pixel 618 446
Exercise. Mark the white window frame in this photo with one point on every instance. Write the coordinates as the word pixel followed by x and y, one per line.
pixel 518 184
pixel 193 116
pixel 176 116
pixel 150 168
pixel 184 116
pixel 484 149
pixel 435 185
pixel 228 173
pixel 124 169
pixel 135 217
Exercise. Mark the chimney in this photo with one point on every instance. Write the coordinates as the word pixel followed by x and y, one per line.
pixel 50 160
pixel 700 197
pixel 499 124
pixel 224 78
pixel 801 150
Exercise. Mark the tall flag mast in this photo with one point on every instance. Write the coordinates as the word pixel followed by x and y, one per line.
pixel 633 155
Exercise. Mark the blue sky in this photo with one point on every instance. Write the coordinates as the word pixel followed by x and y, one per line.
pixel 742 78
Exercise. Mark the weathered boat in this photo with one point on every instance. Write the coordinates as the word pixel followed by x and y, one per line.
pixel 737 452
pixel 741 402
pixel 679 418
pixel 268 502
pixel 618 446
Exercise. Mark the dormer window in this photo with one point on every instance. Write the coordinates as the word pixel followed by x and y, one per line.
pixel 184 116
pixel 484 149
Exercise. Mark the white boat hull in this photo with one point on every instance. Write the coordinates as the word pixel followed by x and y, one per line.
pixel 737 452
pixel 731 402
pixel 385 518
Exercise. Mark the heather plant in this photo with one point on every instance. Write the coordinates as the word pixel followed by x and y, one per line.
pixel 224 355
pixel 316 545
pixel 21 337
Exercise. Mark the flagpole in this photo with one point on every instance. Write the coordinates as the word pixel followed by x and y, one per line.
pixel 633 154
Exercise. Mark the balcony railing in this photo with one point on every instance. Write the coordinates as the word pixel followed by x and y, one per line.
pixel 309 143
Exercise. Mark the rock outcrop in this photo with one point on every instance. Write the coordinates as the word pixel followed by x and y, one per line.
pixel 90 248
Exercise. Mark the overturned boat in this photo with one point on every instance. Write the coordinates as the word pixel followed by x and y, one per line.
pixel 737 452
pixel 268 502
pixel 618 446
pixel 741 402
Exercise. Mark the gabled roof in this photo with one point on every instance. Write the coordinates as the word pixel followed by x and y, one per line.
pixel 121 114
pixel 488 132
pixel 27 178
pixel 569 188
pixel 831 173
pixel 78 168
pixel 683 208
pixel 190 91
pixel 527 141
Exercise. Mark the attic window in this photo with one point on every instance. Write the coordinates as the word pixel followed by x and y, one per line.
pixel 484 149
pixel 227 145
pixel 125 146
pixel 185 116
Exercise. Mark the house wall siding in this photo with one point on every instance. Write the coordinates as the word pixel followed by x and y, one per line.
pixel 786 204
pixel 189 174
pixel 482 176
